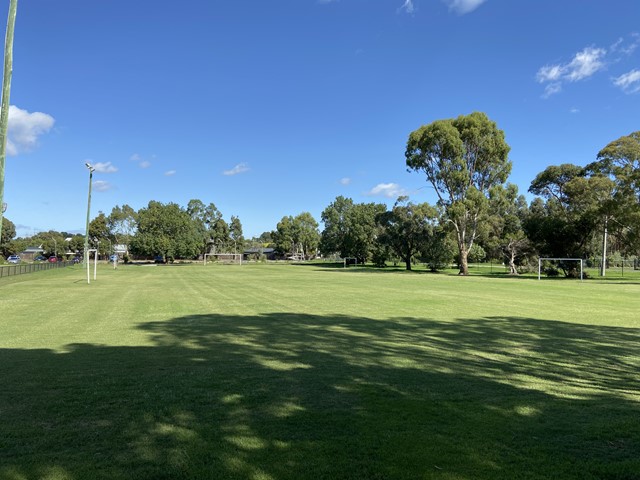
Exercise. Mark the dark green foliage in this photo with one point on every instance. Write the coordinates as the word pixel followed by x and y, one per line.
pixel 167 230
pixel 8 232
pixel 350 229
pixel 407 229
pixel 573 211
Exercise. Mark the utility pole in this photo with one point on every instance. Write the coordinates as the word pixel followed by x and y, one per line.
pixel 6 89
pixel 86 233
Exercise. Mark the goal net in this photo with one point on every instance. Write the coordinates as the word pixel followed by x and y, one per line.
pixel 551 267
pixel 224 258
pixel 350 261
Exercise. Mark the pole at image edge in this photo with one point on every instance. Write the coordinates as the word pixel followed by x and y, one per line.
pixel 86 232
pixel 6 89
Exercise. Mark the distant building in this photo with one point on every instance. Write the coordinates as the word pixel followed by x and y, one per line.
pixel 31 252
pixel 255 253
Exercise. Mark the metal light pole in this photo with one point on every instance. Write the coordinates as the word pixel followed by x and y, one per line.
pixel 6 89
pixel 86 234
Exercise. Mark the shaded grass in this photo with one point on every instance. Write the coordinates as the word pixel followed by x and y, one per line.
pixel 278 372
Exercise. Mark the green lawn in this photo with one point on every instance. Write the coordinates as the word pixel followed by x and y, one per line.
pixel 310 372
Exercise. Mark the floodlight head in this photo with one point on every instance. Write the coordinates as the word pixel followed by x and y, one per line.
pixel 88 165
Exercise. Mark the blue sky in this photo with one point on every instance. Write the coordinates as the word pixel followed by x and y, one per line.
pixel 274 107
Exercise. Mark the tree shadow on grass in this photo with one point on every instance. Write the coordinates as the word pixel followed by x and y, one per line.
pixel 292 396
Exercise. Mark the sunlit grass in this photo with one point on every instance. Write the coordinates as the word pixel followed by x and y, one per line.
pixel 293 372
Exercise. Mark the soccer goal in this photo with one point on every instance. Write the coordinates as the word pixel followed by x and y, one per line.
pixel 350 261
pixel 224 258
pixel 577 260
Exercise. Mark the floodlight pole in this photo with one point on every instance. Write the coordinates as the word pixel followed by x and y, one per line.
pixel 6 89
pixel 86 234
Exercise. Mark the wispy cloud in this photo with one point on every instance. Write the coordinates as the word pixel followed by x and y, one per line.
pixel 105 167
pixel 389 190
pixel 626 47
pixel 583 65
pixel 24 129
pixel 239 168
pixel 628 82
pixel 462 7
pixel 169 173
pixel 408 6
pixel 142 163
pixel 345 181
pixel 574 110
pixel 586 63
pixel 102 186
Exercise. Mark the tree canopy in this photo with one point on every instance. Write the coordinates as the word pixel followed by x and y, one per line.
pixel 462 159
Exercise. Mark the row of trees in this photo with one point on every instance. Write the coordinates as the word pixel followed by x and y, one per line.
pixel 159 229
pixel 578 212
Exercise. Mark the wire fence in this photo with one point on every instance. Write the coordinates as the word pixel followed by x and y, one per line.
pixel 22 268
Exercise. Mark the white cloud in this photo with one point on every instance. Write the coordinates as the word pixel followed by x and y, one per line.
pixel 24 129
pixel 584 64
pixel 574 110
pixel 624 47
pixel 142 163
pixel 628 82
pixel 239 168
pixel 104 167
pixel 345 181
pixel 408 6
pixel 389 190
pixel 549 73
pixel 462 7
pixel 102 186
pixel 552 89
pixel 169 173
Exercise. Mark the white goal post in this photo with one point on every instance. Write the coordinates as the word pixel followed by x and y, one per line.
pixel 224 257
pixel 541 259
pixel 95 264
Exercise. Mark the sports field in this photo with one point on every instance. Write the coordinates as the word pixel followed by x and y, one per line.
pixel 312 372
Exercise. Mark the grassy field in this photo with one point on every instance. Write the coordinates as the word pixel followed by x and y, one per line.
pixel 310 372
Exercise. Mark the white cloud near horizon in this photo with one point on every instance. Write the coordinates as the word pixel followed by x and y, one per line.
pixel 102 186
pixel 105 167
pixel 389 190
pixel 169 173
pixel 628 82
pixel 462 7
pixel 144 164
pixel 238 169
pixel 24 129
pixel 345 181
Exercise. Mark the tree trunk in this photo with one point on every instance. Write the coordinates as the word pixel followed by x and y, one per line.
pixel 512 264
pixel 407 262
pixel 464 264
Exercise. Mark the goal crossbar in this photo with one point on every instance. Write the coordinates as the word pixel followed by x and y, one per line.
pixel 541 259
pixel 235 257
